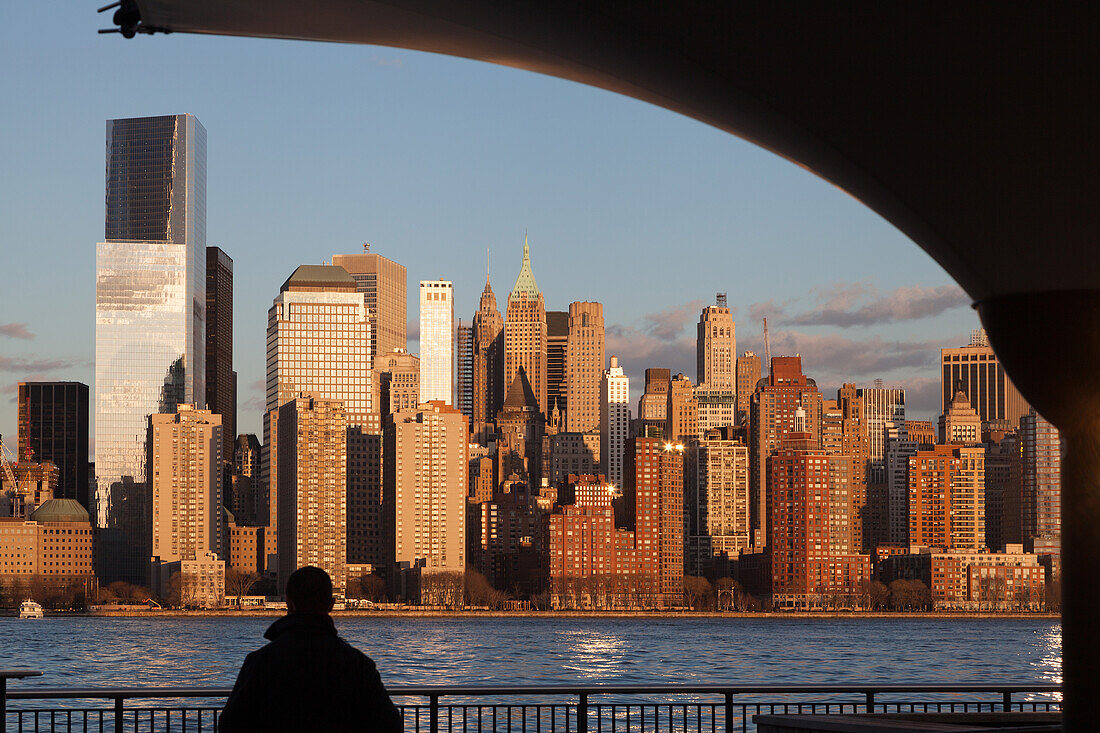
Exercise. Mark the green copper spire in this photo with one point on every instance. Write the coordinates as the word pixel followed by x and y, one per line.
pixel 525 283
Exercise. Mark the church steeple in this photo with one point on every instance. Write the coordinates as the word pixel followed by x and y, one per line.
pixel 525 283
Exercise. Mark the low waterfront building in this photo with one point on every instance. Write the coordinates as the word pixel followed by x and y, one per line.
pixel 54 549
pixel 1012 580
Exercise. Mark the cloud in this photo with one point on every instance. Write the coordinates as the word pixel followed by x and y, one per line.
pixel 670 322
pixel 31 364
pixel 412 331
pixel 767 309
pixel 16 331
pixel 838 305
pixel 260 385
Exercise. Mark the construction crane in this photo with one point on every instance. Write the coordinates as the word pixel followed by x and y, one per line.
pixel 14 494
pixel 767 348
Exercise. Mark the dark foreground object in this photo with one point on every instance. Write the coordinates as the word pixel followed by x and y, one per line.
pixel 911 723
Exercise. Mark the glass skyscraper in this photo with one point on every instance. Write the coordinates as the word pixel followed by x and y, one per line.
pixel 150 316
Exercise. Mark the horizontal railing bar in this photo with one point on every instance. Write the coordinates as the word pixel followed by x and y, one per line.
pixel 111 693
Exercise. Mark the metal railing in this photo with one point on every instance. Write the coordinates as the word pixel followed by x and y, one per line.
pixel 536 708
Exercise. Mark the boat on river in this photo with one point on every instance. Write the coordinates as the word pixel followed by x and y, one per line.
pixel 30 609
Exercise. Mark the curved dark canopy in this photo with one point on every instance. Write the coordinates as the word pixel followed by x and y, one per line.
pixel 969 126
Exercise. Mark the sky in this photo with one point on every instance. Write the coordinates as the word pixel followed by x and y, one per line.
pixel 314 149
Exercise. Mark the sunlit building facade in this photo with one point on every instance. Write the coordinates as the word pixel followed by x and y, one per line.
pixel 614 421
pixel 437 341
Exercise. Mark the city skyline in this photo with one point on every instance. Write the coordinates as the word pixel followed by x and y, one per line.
pixel 667 189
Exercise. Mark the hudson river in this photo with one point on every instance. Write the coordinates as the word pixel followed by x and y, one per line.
pixel 208 651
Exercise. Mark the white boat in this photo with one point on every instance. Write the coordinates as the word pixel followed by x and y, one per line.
pixel 30 609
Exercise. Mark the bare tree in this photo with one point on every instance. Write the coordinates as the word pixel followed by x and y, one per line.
pixel 239 582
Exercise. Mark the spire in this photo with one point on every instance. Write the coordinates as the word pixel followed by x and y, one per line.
pixel 525 283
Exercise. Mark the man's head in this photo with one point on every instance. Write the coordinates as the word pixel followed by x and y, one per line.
pixel 309 590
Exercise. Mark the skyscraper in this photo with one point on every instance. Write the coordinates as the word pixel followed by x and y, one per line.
pixel 221 380
pixel 53 426
pixel 681 415
pixel 748 374
pixel 557 344
pixel 464 371
pixel 437 341
pixel 150 315
pixel 959 423
pixel 716 347
pixel 717 498
pixel 399 373
pixel 584 361
pixel 655 492
pixel 653 404
pixel 977 372
pixel 525 334
pixel 883 410
pixel 383 284
pixel 614 421
pixel 488 358
pixel 1041 484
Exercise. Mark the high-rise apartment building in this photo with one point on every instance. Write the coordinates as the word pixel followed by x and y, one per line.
pixel 959 423
pixel 717 408
pixel 309 447
pixel 53 426
pixel 426 481
pixel 681 414
pixel 975 370
pixel 525 335
pixel 557 344
pixel 947 497
pixel 221 380
pixel 844 433
pixel 900 447
pixel 655 490
pixel 883 410
pixel 1041 484
pixel 488 358
pixel 150 316
pixel 716 347
pixel 717 498
pixel 399 374
pixel 383 284
pixel 614 421
pixel 748 374
pixel 584 362
pixel 464 370
pixel 185 461
pixel 774 406
pixel 437 341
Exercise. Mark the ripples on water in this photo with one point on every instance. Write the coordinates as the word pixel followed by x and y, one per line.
pixel 512 651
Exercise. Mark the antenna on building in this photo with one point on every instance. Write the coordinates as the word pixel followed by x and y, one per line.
pixel 366 247
pixel 767 348
pixel 721 299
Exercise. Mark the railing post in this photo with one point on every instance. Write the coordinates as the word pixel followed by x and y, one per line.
pixel 3 702
pixel 1007 697
pixel 118 715
pixel 433 713
pixel 870 701
pixel 729 712
pixel 582 713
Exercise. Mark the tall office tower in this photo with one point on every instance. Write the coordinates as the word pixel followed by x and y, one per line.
pixel 813 556
pixel 844 434
pixel 681 414
pixel 1002 458
pixel 614 421
pixel 557 344
pixel 883 409
pixel 426 481
pixel 772 416
pixel 717 497
pixel 53 426
pixel 655 491
pixel 221 380
pixel 716 347
pixel 975 370
pixel 464 371
pixel 399 374
pixel 310 448
pixel 488 358
pixel 947 497
pixel 525 334
pixel 437 341
pixel 653 404
pixel 960 423
pixel 584 361
pixel 383 284
pixel 185 459
pixel 150 316
pixel 1041 484
pixel 748 374
pixel 900 447
pixel 318 345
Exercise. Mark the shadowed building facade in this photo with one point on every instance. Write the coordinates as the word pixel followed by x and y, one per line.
pixel 221 380
pixel 53 426
pixel 976 371
pixel 748 374
pixel 488 358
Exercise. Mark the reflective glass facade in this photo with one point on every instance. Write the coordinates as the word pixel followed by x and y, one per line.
pixel 150 316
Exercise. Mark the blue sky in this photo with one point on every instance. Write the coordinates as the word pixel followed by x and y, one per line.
pixel 315 148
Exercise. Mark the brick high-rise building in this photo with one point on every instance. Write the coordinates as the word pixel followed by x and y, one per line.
pixel 464 370
pixel 221 380
pixel 681 414
pixel 748 374
pixel 437 341
pixel 977 372
pixel 947 497
pixel 425 487
pixel 716 347
pixel 772 416
pixel 584 360
pixel 310 447
pixel 383 284
pixel 525 334
pixel 53 426
pixel 653 404
pixel 717 499
pixel 844 433
pixel 655 492
pixel 488 358
pixel 614 421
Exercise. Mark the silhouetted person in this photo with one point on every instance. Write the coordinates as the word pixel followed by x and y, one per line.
pixel 308 678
